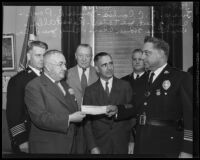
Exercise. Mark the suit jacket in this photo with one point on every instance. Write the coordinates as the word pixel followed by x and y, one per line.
pixel 110 136
pixel 49 110
pixel 170 98
pixel 74 82
pixel 16 110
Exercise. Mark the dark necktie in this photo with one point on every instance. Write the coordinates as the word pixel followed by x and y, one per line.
pixel 137 77
pixel 83 80
pixel 107 89
pixel 151 78
pixel 40 72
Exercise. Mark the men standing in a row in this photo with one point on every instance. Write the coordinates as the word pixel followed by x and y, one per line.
pixel 165 127
pixel 53 111
pixel 103 134
pixel 78 78
pixel 16 111
pixel 137 81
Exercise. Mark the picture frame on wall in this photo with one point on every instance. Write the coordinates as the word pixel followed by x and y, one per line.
pixel 8 49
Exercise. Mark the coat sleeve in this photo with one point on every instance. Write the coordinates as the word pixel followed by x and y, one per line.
pixel 186 93
pixel 40 116
pixel 16 111
pixel 125 112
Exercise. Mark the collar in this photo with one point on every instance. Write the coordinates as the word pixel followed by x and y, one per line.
pixel 110 82
pixel 158 71
pixel 135 74
pixel 80 71
pixel 49 77
pixel 35 70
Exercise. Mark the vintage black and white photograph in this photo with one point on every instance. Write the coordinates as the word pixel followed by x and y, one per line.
pixel 100 79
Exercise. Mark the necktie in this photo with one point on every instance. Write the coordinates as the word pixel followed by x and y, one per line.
pixel 137 77
pixel 151 78
pixel 83 80
pixel 40 72
pixel 107 89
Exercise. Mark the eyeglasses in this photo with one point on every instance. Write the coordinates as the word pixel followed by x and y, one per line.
pixel 61 64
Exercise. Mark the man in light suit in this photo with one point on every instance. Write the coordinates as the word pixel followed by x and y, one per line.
pixel 103 134
pixel 75 79
pixel 53 111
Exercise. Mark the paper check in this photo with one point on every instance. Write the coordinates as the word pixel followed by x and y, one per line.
pixel 93 110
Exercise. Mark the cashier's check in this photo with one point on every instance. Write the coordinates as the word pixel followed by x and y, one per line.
pixel 93 110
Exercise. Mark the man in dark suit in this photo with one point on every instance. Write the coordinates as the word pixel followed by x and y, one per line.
pixel 16 110
pixel 79 77
pixel 165 127
pixel 103 134
pixel 52 109
pixel 137 81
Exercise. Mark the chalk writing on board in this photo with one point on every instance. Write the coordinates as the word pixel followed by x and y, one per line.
pixel 107 19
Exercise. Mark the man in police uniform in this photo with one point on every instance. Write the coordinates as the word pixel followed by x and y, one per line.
pixel 166 103
pixel 16 111
pixel 137 80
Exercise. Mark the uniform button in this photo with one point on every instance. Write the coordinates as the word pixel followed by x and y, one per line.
pixel 172 137
pixel 165 93
pixel 145 103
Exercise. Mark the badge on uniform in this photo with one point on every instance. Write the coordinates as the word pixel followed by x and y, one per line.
pixel 158 92
pixel 166 84
pixel 29 71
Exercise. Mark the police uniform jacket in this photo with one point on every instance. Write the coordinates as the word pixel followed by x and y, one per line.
pixel 16 111
pixel 168 100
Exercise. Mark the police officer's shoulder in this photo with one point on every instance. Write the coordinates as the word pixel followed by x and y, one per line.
pixel 123 82
pixel 180 73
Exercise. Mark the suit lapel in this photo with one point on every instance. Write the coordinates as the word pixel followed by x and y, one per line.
pixel 76 78
pixel 54 90
pixel 70 99
pixel 91 75
pixel 114 91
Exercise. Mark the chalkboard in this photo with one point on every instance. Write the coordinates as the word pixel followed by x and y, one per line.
pixel 119 30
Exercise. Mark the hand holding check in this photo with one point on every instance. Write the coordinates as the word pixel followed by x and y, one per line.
pixel 109 110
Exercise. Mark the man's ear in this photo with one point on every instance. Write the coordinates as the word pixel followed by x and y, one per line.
pixel 97 69
pixel 28 56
